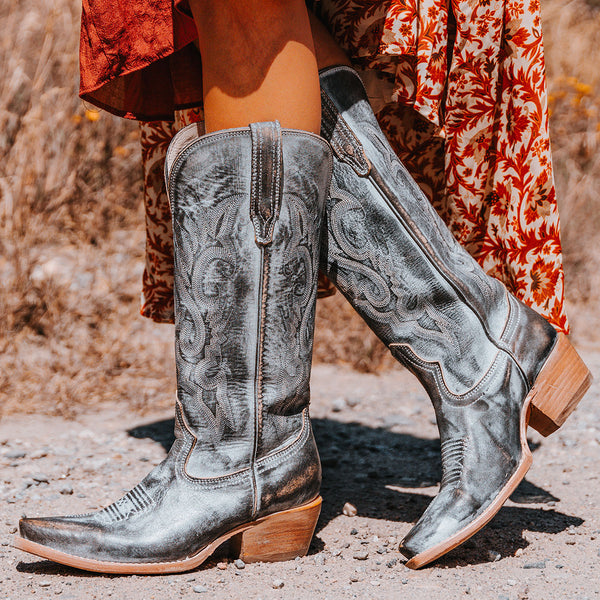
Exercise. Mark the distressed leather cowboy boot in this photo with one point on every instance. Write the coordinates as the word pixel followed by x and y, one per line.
pixel 247 210
pixel 490 364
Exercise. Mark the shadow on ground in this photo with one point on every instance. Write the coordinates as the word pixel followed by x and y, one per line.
pixel 379 472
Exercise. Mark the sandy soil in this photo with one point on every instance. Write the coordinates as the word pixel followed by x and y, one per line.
pixel 380 453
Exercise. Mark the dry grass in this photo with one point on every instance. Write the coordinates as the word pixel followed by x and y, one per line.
pixel 572 35
pixel 71 245
pixel 71 241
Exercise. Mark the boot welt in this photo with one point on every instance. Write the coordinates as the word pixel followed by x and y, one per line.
pixel 558 388
pixel 280 536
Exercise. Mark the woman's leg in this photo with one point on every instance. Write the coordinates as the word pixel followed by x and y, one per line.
pixel 247 212
pixel 258 62
pixel 326 48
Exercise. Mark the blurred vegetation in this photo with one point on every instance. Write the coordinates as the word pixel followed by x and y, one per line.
pixel 71 220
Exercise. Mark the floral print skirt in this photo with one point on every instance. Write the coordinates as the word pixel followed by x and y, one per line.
pixel 459 89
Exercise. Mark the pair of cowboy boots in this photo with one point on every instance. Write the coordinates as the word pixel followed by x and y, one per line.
pixel 256 212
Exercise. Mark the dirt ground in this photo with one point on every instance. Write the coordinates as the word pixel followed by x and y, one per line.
pixel 380 453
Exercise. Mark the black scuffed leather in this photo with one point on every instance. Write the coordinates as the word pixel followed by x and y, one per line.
pixel 244 322
pixel 476 349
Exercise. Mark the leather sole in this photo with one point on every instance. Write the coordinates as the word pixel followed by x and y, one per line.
pixel 558 388
pixel 281 536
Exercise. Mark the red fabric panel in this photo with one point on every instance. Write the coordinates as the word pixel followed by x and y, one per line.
pixel 131 53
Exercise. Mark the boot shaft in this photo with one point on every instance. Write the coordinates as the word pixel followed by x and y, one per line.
pixel 399 265
pixel 247 207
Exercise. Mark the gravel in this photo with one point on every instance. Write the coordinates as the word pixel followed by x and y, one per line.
pixel 93 460
pixel 349 510
pixel 14 454
pixel 493 556
pixel 535 565
pixel 40 478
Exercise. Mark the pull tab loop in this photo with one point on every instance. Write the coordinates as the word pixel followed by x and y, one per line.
pixel 344 143
pixel 267 179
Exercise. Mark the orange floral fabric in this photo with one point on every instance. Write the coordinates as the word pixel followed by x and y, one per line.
pixel 459 89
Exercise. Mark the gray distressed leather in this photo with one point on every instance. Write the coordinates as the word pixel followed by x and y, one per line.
pixel 476 349
pixel 247 209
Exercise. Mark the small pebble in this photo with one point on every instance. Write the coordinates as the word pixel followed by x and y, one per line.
pixel 511 582
pixel 44 583
pixel 353 578
pixel 41 478
pixel 338 405
pixel 353 532
pixel 404 581
pixel 319 559
pixel 391 563
pixel 493 556
pixel 278 584
pixel 39 454
pixel 239 563
pixel 200 589
pixel 375 582
pixel 222 566
pixel 519 552
pixel 349 510
pixel 361 555
pixel 13 454
pixel 66 490
pixel 336 552
pixel 299 570
pixel 535 565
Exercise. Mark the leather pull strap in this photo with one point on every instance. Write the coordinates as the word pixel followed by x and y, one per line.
pixel 267 179
pixel 343 141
